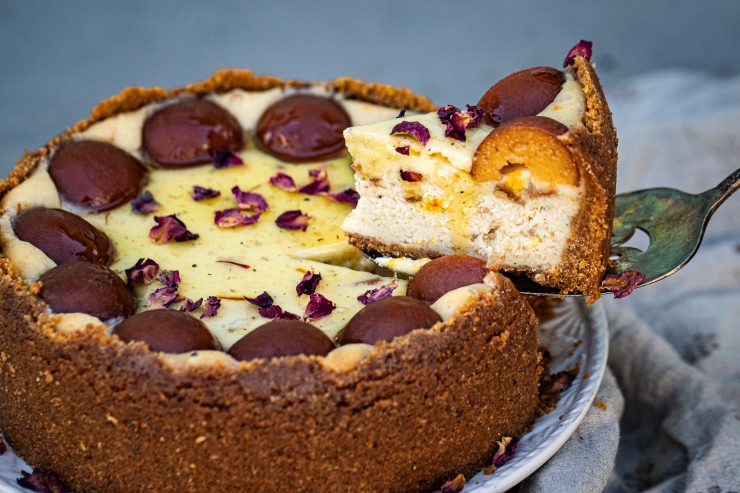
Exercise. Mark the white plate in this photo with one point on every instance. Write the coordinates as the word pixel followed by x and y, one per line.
pixel 576 335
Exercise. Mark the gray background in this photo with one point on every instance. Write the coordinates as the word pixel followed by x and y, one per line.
pixel 58 59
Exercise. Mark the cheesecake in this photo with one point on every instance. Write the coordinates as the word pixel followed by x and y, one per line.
pixel 181 309
pixel 524 180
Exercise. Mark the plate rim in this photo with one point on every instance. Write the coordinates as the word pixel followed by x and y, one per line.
pixel 594 315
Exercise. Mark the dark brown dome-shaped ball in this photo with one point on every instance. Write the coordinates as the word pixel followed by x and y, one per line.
pixel 388 318
pixel 81 286
pixel 303 128
pixel 523 93
pixel 63 236
pixel 96 176
pixel 167 331
pixel 282 338
pixel 444 274
pixel 190 132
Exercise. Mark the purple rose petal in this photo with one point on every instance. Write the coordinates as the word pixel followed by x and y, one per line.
pixel 281 180
pixel 211 306
pixel 142 272
pixel 275 312
pixel 293 220
pixel 233 218
pixel 162 297
pixel 457 121
pixel 377 294
pixel 412 129
pixel 263 300
pixel 411 176
pixel 249 201
pixel 475 114
pixel 403 150
pixel 169 278
pixel 42 482
pixel 225 158
pixel 349 196
pixel 202 193
pixel 170 228
pixel 189 305
pixel 622 284
pixel 558 382
pixel 145 203
pixel 505 451
pixel 308 284
pixel 318 307
pixel 582 48
pixel 319 184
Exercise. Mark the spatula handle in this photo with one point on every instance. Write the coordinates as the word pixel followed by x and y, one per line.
pixel 727 187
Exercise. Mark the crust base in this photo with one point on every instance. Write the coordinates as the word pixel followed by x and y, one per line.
pixel 107 416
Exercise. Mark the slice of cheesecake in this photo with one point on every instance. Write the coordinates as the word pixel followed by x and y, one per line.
pixel 525 180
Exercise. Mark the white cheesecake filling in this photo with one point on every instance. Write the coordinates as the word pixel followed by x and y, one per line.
pixel 517 222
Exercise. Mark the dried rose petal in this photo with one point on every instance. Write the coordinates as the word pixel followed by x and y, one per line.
pixel 349 196
pixel 189 305
pixel 170 228
pixel 233 218
pixel 163 297
pixel 454 122
pixel 211 306
pixel 558 382
pixel 170 278
pixel 582 48
pixel 145 203
pixel 455 485
pixel 318 307
pixel 412 129
pixel 622 284
pixel 319 184
pixel 275 312
pixel 281 180
pixel 249 201
pixel 411 176
pixel 225 158
pixel 401 113
pixel 142 272
pixel 308 284
pixel 42 482
pixel 263 300
pixel 457 121
pixel 403 150
pixel 475 114
pixel 506 449
pixel 202 193
pixel 377 294
pixel 293 220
